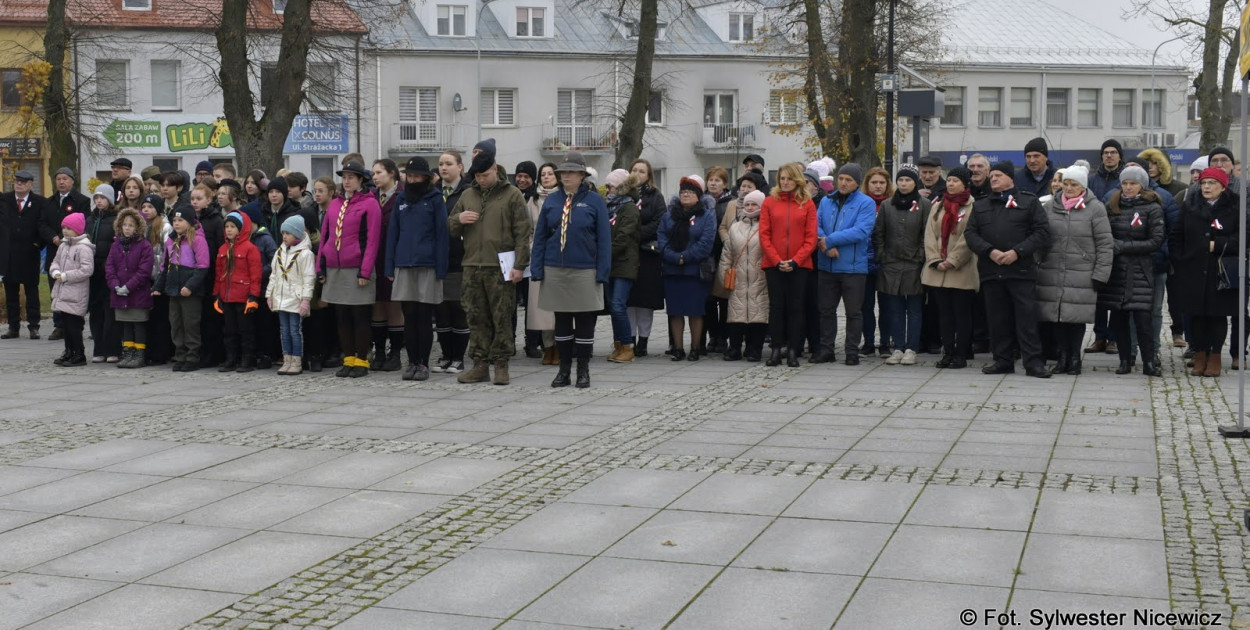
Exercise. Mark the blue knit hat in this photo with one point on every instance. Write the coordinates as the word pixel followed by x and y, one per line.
pixel 294 225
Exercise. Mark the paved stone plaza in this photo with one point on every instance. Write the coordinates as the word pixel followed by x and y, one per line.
pixel 708 495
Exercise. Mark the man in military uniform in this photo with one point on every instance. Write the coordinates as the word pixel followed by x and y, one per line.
pixel 492 219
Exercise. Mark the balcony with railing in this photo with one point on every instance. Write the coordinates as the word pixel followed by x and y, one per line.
pixel 428 137
pixel 597 136
pixel 720 138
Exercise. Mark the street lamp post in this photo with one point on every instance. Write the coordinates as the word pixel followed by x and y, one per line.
pixel 1152 72
pixel 889 99
pixel 477 43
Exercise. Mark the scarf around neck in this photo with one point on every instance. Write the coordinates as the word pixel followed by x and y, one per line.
pixel 951 205
pixel 683 217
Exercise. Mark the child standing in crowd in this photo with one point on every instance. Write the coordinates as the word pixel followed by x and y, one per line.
pixel 182 280
pixel 72 269
pixel 236 293
pixel 104 329
pixel 129 276
pixel 290 291
pixel 416 262
pixel 158 349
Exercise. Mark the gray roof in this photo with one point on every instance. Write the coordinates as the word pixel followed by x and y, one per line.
pixel 996 33
pixel 582 27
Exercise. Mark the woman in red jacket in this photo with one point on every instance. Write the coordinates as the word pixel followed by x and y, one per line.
pixel 788 237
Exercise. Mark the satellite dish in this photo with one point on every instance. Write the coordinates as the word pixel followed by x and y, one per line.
pixel 456 103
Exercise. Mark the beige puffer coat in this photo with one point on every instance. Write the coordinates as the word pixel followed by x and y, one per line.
pixel 964 275
pixel 748 302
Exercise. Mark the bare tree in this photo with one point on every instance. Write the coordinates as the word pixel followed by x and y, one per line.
pixel 57 119
pixel 1217 35
pixel 633 122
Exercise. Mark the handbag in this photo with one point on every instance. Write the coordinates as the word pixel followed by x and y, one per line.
pixel 731 274
pixel 1226 275
pixel 707 269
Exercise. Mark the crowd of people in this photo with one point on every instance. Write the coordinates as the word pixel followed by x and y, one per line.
pixel 356 274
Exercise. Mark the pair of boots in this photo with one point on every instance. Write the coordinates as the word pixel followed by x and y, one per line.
pixel 1207 363
pixel 566 365
pixel 354 367
pixel 71 358
pixel 234 364
pixel 1067 364
pixel 133 356
pixel 291 365
pixel 480 373
pixel 551 356
pixel 622 352
pixel 640 347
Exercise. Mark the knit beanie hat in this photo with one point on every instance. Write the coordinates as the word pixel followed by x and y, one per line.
pixel 908 170
pixel 812 176
pixel 528 168
pixel 819 167
pixel 1004 166
pixel 236 219
pixel 1222 151
pixel 277 183
pixel 294 225
pixel 962 174
pixel 1200 164
pixel 185 215
pixel 756 196
pixel 1136 173
pixel 65 170
pixel 75 221
pixel 483 162
pixel 487 147
pixel 616 177
pixel 1217 174
pixel 1038 145
pixel 853 171
pixel 1078 174
pixel 203 167
pixel 1115 144
pixel 155 201
pixel 252 210
pixel 106 191
pixel 693 183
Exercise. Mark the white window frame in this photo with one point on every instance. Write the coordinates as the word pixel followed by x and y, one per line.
pixel 177 85
pixel 717 109
pixel 784 107
pixel 961 102
pixel 739 23
pixel 125 95
pixel 577 128
pixel 331 91
pixel 424 120
pixel 496 98
pixel 451 10
pixel 655 115
pixel 530 20
pixel 1131 108
pixel 1097 107
pixel 1152 110
pixel 279 7
pixel 1031 102
pixel 130 5
pixel 982 92
pixel 1066 107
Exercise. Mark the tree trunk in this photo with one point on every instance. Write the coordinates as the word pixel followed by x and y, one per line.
pixel 856 93
pixel 1210 101
pixel 1228 89
pixel 259 143
pixel 57 123
pixel 634 122
pixel 818 84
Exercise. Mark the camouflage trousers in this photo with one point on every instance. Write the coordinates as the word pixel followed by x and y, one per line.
pixel 489 305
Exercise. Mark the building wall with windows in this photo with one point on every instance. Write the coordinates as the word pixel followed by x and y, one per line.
pixel 21 42
pixel 542 96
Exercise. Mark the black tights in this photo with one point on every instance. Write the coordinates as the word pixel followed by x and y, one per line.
pixel 752 333
pixel 575 330
pixel 418 331
pixel 1209 333
pixel 353 324
pixel 135 332
pixel 1068 339
pixel 72 326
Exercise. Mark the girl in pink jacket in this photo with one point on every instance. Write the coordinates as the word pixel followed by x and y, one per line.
pixel 72 268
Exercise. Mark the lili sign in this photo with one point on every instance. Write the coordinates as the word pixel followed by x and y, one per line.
pixel 310 133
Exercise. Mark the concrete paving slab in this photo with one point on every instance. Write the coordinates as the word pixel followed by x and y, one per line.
pixel 54 537
pixel 362 514
pixel 267 465
pixel 101 454
pixel 742 494
pixel 17 478
pixel 379 618
pixel 446 475
pixel 988 508
pixel 835 499
pixel 140 553
pixel 486 582
pixel 691 537
pixel 166 499
pixel 182 460
pixel 1115 516
pixel 840 547
pixel 74 492
pixel 1097 566
pixel 252 563
pixel 748 598
pixel 636 488
pixel 951 556
pixel 575 528
pixel 138 607
pixel 262 506
pixel 928 604
pixel 355 470
pixel 28 598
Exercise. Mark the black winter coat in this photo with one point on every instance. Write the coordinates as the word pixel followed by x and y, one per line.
pixel 648 289
pixel 25 232
pixel 1194 266
pixel 101 231
pixel 1138 229
pixel 1024 228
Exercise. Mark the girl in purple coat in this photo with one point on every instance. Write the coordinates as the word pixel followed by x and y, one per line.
pixel 129 276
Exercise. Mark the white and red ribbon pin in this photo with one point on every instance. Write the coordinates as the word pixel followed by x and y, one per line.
pixel 915 205
pixel 1136 222
pixel 1011 201
pixel 1217 225
pixel 1080 204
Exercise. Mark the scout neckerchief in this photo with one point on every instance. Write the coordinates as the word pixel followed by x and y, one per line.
pixel 564 220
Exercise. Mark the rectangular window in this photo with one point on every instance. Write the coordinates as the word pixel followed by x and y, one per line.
pixel 783 107
pixel 166 88
pixel 741 27
pixel 990 107
pixel 574 115
pixel 167 163
pixel 1152 109
pixel 1122 108
pixel 953 107
pixel 451 19
pixel 322 81
pixel 36 168
pixel 1021 107
pixel 1057 107
pixel 1087 107
pixel 531 22
pixel 418 114
pixel 112 84
pixel 718 108
pixel 322 166
pixel 279 7
pixel 498 108
pixel 137 5
pixel 12 97
pixel 268 80
pixel 655 108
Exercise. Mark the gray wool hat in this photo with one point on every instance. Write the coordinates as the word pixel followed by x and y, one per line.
pixel 1136 173
pixel 854 171
pixel 65 170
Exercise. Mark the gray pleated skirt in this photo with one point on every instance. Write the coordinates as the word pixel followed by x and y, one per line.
pixel 567 290
pixel 417 284
pixel 341 288
pixel 132 315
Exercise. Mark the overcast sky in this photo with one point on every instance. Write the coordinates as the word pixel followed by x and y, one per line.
pixel 1143 31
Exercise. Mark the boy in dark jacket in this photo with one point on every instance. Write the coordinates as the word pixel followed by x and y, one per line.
pixel 236 293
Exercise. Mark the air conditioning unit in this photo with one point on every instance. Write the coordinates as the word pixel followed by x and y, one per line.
pixel 1159 139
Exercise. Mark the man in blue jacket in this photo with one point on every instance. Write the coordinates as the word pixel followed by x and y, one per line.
pixel 844 225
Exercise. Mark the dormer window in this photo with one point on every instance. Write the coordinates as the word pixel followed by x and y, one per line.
pixel 137 5
pixel 741 27
pixel 628 28
pixel 451 19
pixel 531 22
pixel 279 7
